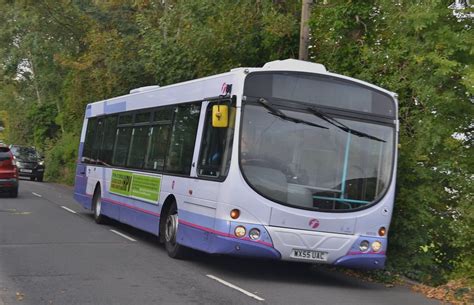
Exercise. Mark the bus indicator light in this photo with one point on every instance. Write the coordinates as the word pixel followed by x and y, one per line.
pixel 382 231
pixel 235 213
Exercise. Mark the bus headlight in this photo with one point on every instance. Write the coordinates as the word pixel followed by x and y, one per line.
pixel 376 246
pixel 364 246
pixel 240 231
pixel 254 234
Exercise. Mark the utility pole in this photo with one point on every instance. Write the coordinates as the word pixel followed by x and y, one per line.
pixel 304 29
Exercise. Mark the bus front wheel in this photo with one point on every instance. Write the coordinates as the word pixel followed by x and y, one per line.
pixel 174 249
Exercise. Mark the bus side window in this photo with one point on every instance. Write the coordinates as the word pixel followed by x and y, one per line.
pixel 106 151
pixel 122 143
pixel 122 137
pixel 183 138
pixel 216 146
pixel 89 141
pixel 99 136
pixel 159 138
pixel 138 146
pixel 158 146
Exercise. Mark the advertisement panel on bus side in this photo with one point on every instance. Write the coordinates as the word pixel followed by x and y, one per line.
pixel 135 185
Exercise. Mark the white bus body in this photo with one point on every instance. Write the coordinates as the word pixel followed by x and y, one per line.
pixel 328 228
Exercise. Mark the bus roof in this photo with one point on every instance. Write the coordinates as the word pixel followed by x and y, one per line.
pixel 234 76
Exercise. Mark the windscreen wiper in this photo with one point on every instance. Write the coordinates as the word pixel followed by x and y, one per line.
pixel 276 112
pixel 334 122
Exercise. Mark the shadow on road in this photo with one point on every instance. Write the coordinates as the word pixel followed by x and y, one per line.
pixel 255 269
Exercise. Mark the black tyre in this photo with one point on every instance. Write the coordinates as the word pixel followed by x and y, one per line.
pixel 174 249
pixel 40 179
pixel 97 207
pixel 14 193
pixel 32 178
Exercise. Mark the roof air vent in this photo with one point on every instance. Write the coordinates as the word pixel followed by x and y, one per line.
pixel 143 89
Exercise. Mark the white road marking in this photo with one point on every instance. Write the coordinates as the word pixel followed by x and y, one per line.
pixel 235 287
pixel 37 195
pixel 123 235
pixel 69 210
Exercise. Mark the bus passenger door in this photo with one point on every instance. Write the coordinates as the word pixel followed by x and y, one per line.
pixel 211 161
pixel 197 211
pixel 94 173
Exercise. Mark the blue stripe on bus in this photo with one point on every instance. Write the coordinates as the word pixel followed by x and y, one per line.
pixel 212 243
pixel 84 200
pixel 191 234
pixel 355 258
pixel 88 111
pixel 115 107
pixel 363 261
pixel 80 151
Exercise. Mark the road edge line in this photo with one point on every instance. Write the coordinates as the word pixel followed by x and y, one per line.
pixel 123 235
pixel 230 285
pixel 68 209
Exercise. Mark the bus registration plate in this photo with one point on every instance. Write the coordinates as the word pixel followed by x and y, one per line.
pixel 310 255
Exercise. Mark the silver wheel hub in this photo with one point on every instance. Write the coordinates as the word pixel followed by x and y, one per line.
pixel 171 228
pixel 97 207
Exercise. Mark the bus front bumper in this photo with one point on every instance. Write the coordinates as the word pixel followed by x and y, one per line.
pixel 363 261
pixel 327 248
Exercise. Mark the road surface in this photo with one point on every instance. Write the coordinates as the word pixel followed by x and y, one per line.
pixel 52 252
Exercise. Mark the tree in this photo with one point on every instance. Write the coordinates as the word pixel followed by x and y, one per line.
pixel 422 52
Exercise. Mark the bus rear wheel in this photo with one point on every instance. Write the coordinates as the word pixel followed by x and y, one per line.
pixel 97 207
pixel 173 249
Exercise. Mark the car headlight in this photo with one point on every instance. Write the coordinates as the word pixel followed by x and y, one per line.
pixel 41 163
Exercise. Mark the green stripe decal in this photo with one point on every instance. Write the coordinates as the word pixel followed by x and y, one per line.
pixel 134 185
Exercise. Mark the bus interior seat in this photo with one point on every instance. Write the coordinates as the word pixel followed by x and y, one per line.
pixel 300 196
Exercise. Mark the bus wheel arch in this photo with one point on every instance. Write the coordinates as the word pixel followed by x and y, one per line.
pixel 96 205
pixel 170 200
pixel 169 229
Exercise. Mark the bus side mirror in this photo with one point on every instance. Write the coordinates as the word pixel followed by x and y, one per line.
pixel 220 116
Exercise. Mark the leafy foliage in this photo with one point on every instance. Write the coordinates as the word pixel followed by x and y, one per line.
pixel 57 56
pixel 422 52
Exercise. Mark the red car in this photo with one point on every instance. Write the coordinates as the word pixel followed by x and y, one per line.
pixel 8 172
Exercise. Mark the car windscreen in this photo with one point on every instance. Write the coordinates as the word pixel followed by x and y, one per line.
pixel 25 152
pixel 4 153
